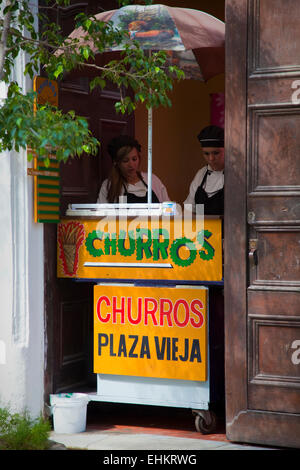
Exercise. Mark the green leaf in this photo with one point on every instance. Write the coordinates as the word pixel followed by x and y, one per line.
pixel 146 79
pixel 86 53
pixel 58 71
pixel 88 23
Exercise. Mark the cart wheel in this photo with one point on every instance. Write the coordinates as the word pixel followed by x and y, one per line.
pixel 205 422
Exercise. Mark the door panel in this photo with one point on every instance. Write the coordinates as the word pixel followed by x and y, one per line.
pixel 278 257
pixel 276 22
pixel 81 179
pixel 72 347
pixel 272 373
pixel 262 299
pixel 108 128
pixel 68 304
pixel 274 132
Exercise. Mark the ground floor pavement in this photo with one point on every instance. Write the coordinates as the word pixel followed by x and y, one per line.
pixel 115 427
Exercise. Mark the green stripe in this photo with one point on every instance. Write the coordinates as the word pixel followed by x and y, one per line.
pixel 48 186
pixel 56 178
pixel 42 159
pixel 43 203
pixel 48 212
pixel 48 169
pixel 51 221
pixel 48 195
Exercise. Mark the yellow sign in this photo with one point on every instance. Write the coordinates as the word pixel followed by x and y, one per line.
pixel 46 179
pixel 47 91
pixel 151 332
pixel 150 251
pixel 32 172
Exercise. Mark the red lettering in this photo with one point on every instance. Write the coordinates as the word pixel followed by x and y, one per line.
pixel 117 310
pixel 145 309
pixel 149 311
pixel 166 313
pixel 197 303
pixel 98 307
pixel 187 312
pixel 139 312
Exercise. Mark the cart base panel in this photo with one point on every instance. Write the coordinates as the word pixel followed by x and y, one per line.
pixel 152 391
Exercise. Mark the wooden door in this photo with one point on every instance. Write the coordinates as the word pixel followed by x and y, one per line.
pixel 262 222
pixel 69 304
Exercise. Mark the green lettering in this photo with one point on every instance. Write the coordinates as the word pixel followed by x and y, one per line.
pixel 121 243
pixel 175 251
pixel 89 243
pixel 110 245
pixel 160 247
pixel 143 246
pixel 207 252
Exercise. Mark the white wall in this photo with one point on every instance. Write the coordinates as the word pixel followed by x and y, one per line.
pixel 21 290
pixel 21 282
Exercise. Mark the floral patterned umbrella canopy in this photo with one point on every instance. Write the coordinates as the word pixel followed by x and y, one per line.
pixel 195 42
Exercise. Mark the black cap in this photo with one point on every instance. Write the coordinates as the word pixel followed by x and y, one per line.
pixel 211 136
pixel 121 141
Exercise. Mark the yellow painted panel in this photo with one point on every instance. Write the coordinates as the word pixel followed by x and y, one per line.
pixel 43 177
pixel 160 249
pixel 47 90
pixel 151 332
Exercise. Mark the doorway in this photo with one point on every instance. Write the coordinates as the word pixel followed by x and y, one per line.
pixel 262 220
pixel 69 305
pixel 262 303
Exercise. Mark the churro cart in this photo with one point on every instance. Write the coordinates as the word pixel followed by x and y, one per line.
pixel 152 269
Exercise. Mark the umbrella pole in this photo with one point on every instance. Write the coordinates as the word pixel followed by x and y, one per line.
pixel 149 155
pixel 149 199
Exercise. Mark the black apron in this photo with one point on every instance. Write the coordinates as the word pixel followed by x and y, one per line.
pixel 213 205
pixel 133 199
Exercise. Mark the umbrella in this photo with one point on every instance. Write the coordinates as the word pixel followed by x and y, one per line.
pixel 195 42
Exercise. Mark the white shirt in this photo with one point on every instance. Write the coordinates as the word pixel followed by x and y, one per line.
pixel 139 189
pixel 214 182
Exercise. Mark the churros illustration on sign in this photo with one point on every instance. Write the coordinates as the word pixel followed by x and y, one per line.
pixel 70 237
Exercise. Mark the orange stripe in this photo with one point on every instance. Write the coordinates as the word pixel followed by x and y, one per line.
pixel 49 190
pixel 48 199
pixel 48 216
pixel 48 181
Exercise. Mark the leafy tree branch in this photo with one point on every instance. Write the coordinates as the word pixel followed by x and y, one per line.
pixel 47 130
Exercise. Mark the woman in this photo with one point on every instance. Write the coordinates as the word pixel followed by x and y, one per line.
pixel 125 178
pixel 208 185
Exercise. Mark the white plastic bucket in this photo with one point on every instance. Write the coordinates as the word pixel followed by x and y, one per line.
pixel 69 412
